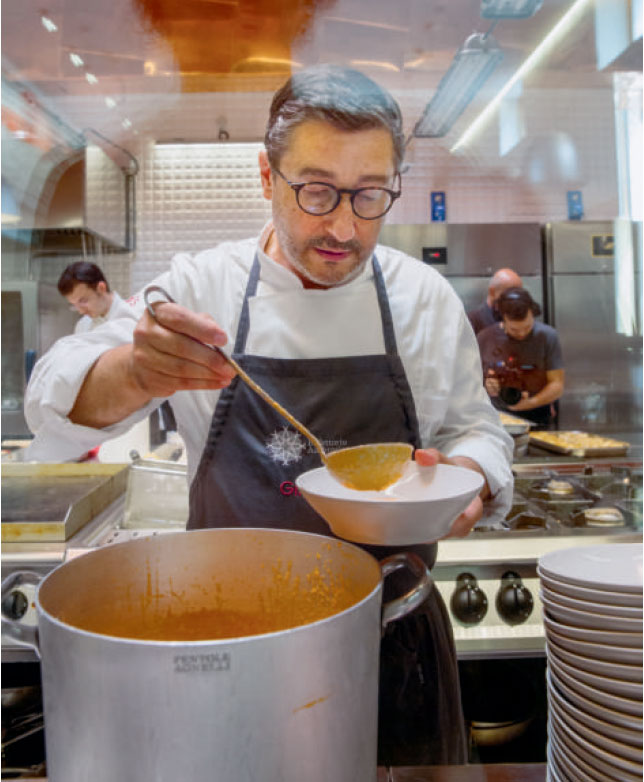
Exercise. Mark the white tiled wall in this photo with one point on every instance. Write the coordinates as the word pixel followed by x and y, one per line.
pixel 190 197
pixel 194 196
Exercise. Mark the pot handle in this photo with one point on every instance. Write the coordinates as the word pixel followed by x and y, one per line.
pixel 24 634
pixel 401 606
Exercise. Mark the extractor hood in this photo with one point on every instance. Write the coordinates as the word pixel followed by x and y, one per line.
pixel 81 205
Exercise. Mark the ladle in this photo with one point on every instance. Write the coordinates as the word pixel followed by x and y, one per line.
pixel 372 466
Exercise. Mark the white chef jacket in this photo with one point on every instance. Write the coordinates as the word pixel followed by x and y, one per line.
pixel 434 338
pixel 118 309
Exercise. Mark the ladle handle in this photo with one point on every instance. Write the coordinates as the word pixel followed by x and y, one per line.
pixel 244 376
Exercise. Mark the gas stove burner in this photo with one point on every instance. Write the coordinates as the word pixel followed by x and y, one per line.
pixel 527 521
pixel 607 516
pixel 559 487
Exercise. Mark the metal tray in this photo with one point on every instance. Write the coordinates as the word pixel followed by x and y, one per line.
pixel 611 448
pixel 514 425
pixel 51 502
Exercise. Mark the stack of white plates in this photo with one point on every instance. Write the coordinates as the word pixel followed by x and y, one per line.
pixel 592 604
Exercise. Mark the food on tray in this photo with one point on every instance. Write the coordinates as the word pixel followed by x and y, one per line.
pixel 508 420
pixel 560 487
pixel 577 441
pixel 604 516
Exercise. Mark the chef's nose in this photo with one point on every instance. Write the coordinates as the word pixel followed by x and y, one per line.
pixel 342 221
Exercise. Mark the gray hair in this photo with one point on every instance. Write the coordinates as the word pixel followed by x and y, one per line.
pixel 343 97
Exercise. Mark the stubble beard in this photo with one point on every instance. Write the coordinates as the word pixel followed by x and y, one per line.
pixel 294 255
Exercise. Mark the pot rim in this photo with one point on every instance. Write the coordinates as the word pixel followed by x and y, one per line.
pixel 217 642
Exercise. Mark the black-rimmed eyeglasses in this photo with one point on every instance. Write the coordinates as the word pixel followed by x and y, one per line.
pixel 320 198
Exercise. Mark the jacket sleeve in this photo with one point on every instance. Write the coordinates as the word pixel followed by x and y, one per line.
pixel 54 385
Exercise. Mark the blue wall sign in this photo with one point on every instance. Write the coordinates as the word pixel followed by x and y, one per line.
pixel 439 206
pixel 575 205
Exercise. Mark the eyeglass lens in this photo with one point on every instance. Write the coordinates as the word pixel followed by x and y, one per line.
pixel 368 203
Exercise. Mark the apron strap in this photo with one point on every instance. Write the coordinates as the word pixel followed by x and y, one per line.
pixel 383 302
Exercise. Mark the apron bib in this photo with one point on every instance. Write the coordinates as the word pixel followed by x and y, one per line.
pixel 246 478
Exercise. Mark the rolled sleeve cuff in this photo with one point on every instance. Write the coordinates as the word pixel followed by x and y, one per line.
pixel 495 462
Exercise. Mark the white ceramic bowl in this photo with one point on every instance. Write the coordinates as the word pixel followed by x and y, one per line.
pixel 419 508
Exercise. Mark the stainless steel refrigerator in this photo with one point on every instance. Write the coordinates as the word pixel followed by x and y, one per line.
pixel 594 300
pixel 469 254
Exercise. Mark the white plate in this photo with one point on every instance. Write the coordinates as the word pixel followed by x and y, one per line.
pixel 613 732
pixel 616 702
pixel 574 759
pixel 419 508
pixel 555 771
pixel 608 684
pixel 629 612
pixel 597 651
pixel 599 758
pixel 626 640
pixel 593 595
pixel 625 751
pixel 613 566
pixel 573 770
pixel 588 619
pixel 626 673
pixel 598 710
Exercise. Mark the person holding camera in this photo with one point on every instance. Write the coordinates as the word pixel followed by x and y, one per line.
pixel 522 361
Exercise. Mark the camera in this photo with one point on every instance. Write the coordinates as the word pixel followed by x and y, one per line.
pixel 511 380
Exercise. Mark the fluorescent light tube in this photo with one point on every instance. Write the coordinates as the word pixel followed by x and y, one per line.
pixel 509 9
pixel 472 64
pixel 562 28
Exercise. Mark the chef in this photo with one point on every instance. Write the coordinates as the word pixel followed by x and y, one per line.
pixel 87 290
pixel 357 340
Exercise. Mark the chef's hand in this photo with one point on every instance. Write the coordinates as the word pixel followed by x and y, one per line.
pixel 461 527
pixel 170 352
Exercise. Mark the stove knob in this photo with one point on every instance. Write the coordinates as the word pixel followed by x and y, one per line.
pixel 468 603
pixel 15 605
pixel 514 602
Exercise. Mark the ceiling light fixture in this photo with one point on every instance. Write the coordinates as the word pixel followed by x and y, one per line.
pixel 91 78
pixel 48 24
pixel 567 21
pixel 110 102
pixel 509 9
pixel 472 64
pixel 76 60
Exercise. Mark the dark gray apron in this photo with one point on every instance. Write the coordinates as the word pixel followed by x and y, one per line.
pixel 246 478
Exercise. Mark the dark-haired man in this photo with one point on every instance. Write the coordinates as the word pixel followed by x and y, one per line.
pixel 522 362
pixel 362 344
pixel 85 287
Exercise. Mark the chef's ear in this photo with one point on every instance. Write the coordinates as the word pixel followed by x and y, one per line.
pixel 265 173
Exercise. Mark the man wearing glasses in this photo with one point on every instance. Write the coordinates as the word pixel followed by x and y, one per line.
pixel 361 343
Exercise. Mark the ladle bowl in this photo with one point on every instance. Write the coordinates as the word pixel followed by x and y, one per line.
pixel 372 466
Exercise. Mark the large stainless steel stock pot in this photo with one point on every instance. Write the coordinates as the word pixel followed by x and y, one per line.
pixel 227 655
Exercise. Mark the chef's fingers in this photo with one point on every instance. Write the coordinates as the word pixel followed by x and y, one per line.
pixel 200 327
pixel 427 457
pixel 165 361
pixel 463 525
